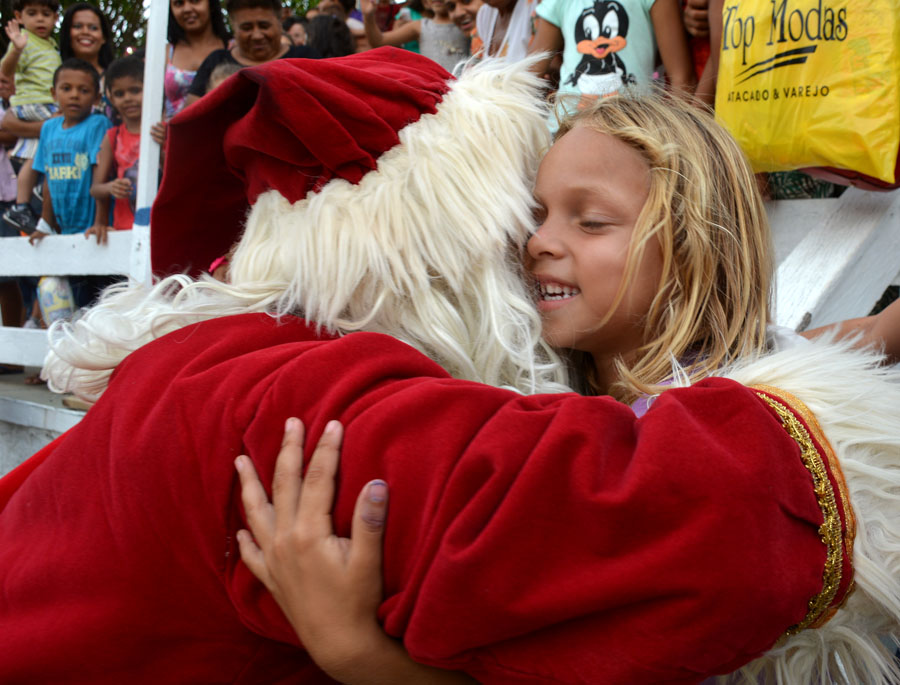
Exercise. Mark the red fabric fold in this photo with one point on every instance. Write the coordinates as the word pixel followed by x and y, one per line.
pixel 529 539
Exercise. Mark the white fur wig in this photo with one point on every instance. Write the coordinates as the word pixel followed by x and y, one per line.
pixel 427 248
pixel 857 404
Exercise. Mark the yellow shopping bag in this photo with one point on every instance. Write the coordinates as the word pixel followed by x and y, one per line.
pixel 808 83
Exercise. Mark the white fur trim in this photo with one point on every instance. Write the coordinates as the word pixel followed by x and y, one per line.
pixel 426 248
pixel 857 404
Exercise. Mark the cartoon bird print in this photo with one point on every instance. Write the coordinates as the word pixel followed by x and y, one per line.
pixel 599 34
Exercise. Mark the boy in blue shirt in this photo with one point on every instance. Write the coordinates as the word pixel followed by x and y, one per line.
pixel 67 150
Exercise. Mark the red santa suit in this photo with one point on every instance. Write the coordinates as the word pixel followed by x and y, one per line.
pixel 533 539
pixel 550 538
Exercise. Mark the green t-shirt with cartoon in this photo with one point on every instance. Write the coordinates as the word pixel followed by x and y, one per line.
pixel 607 44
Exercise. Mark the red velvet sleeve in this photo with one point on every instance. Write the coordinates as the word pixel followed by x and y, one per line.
pixel 559 538
pixel 529 539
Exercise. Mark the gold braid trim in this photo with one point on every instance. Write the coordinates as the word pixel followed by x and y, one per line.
pixel 830 532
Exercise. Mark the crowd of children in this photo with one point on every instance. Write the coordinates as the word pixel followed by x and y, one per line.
pixel 72 115
pixel 69 143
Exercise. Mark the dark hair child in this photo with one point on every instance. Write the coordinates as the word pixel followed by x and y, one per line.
pixel 115 175
pixel 67 149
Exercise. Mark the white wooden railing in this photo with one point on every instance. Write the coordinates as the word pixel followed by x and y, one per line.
pixel 126 252
pixel 835 257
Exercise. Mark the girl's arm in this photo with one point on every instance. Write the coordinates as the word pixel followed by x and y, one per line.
pixel 7 139
pixel 17 42
pixel 158 133
pixel 101 191
pixel 673 47
pixel 696 17
pixel 881 331
pixel 706 88
pixel 47 216
pixel 101 188
pixel 406 33
pixel 20 129
pixel 548 39
pixel 328 587
pixel 101 220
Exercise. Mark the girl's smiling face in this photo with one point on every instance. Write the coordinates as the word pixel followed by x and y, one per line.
pixel 590 190
pixel 463 12
pixel 87 35
pixel 191 15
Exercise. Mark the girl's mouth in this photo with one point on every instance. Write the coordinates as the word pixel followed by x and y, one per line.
pixel 554 292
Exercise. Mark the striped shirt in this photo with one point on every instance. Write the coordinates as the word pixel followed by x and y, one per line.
pixel 34 71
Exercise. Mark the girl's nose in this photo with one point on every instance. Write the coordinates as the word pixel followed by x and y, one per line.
pixel 544 242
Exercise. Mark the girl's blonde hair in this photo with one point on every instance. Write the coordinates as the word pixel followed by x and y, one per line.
pixel 704 209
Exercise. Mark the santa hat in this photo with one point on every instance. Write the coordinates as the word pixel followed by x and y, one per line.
pixel 290 125
pixel 371 192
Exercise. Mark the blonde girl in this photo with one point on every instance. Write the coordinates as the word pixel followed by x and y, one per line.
pixel 652 264
pixel 698 221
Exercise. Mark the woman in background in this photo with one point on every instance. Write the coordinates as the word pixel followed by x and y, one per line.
pixel 196 28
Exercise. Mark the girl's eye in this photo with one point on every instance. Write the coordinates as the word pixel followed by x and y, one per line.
pixel 592 225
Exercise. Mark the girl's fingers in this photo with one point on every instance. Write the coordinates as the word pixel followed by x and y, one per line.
pixel 286 481
pixel 260 514
pixel 253 557
pixel 368 529
pixel 317 492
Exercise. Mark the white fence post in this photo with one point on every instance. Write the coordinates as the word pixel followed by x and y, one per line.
pixel 152 112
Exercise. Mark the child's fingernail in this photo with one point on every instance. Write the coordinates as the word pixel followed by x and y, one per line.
pixel 291 423
pixel 239 463
pixel 374 510
pixel 332 427
pixel 378 490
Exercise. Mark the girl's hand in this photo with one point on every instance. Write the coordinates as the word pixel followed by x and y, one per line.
pixel 696 17
pixel 36 237
pixel 158 133
pixel 120 188
pixel 16 37
pixel 99 230
pixel 328 587
pixel 367 7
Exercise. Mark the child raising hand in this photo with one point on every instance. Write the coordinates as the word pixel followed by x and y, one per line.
pixel 439 38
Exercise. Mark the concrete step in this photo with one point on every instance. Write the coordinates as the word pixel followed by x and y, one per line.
pixel 30 417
